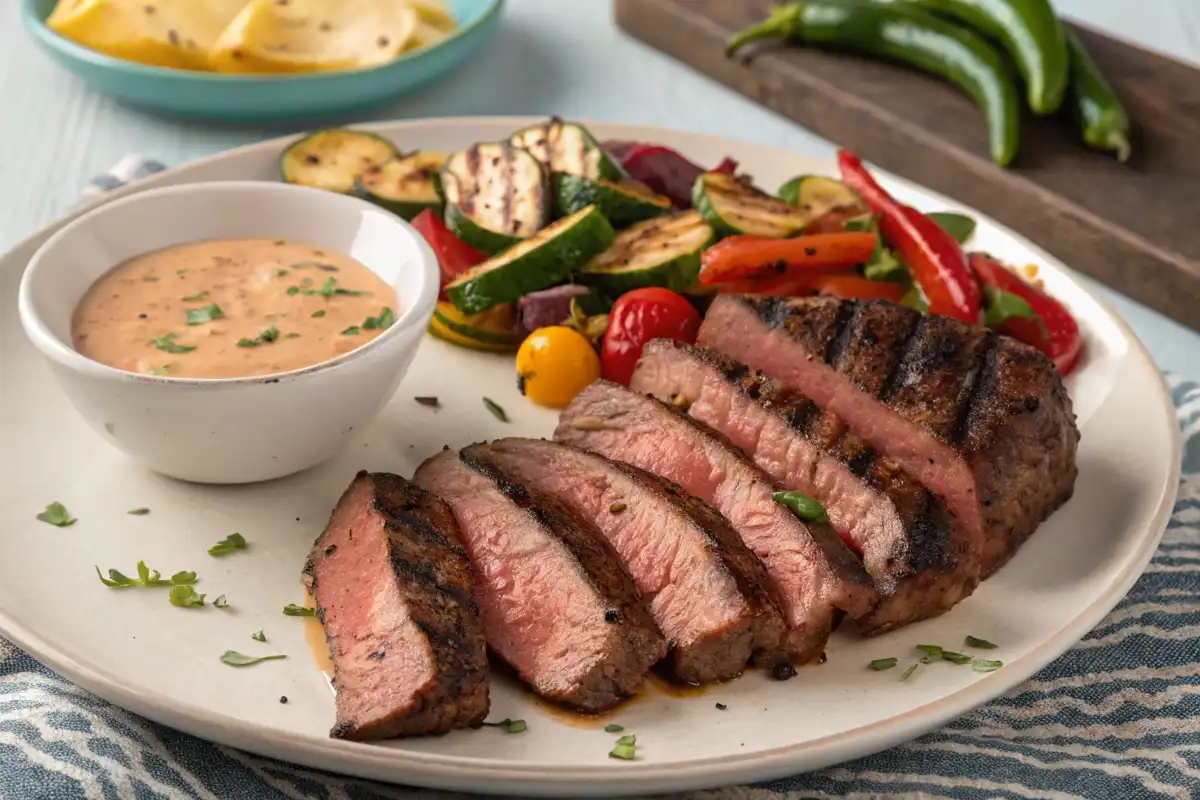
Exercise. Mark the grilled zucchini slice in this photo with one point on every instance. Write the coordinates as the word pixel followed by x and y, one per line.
pixel 819 194
pixel 332 158
pixel 496 195
pixel 568 147
pixel 535 263
pixel 731 205
pixel 494 330
pixel 664 251
pixel 405 186
pixel 623 202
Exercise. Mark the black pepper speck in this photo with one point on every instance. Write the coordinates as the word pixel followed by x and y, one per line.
pixel 283 699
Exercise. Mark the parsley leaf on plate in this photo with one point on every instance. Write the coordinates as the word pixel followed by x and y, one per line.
pixel 56 514
pixel 185 596
pixel 293 610
pixel 235 542
pixel 235 659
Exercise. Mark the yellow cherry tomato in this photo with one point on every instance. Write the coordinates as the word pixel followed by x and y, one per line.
pixel 554 364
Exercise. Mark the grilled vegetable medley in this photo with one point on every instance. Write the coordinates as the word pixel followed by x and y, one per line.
pixel 574 253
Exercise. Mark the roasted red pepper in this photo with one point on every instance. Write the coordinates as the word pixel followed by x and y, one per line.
pixel 1057 335
pixel 744 257
pixel 936 260
pixel 454 256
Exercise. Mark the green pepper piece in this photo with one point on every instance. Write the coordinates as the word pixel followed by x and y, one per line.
pixel 802 506
pixel 781 24
pixel 1031 34
pixel 1103 121
pixel 914 37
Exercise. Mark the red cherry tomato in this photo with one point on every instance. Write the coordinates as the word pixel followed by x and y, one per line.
pixel 454 256
pixel 636 318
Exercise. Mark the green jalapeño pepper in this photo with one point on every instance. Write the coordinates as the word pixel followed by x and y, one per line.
pixel 1029 32
pixel 1103 121
pixel 913 37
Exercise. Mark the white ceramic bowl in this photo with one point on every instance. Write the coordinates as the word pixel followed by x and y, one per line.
pixel 234 430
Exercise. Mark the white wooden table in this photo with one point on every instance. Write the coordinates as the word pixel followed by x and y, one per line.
pixel 549 56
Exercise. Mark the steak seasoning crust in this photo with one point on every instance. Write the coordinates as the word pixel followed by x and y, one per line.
pixel 392 589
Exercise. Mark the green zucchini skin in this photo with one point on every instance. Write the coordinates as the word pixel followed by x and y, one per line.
pixel 332 158
pixel 819 194
pixel 732 206
pixel 568 147
pixel 535 263
pixel 496 195
pixel 622 203
pixel 405 186
pixel 663 251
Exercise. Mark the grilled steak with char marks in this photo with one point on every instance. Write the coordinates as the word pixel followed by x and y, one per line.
pixel 814 575
pixel 982 420
pixel 707 592
pixel 555 602
pixel 392 589
pixel 920 565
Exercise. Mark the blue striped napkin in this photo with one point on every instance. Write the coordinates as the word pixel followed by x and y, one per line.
pixel 1117 717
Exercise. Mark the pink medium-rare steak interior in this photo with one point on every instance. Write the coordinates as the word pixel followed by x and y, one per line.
pixel 756 333
pixel 893 522
pixel 706 591
pixel 811 570
pixel 554 601
pixel 392 590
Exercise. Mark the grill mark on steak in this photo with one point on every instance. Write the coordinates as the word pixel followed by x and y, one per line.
pixel 402 584
pixel 812 571
pixel 914 561
pixel 554 600
pixel 706 591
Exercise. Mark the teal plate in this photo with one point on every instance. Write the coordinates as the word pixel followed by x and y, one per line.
pixel 265 98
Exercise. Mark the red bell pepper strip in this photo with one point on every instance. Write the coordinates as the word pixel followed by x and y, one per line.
pixel 454 256
pixel 1058 334
pixel 743 257
pixel 936 260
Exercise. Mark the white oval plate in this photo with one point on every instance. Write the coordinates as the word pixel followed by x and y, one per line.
pixel 133 648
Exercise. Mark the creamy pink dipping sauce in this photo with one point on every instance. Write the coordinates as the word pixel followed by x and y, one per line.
pixel 231 308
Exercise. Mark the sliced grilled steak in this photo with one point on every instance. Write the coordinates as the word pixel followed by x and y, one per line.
pixel 921 567
pixel 981 420
pixel 707 592
pixel 393 591
pixel 812 572
pixel 555 601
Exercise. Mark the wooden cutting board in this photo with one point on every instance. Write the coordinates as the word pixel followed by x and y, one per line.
pixel 1134 227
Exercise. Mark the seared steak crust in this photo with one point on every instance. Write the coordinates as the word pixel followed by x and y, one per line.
pixel 392 588
pixel 588 656
pixel 706 590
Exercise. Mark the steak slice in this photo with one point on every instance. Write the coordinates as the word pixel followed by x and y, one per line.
pixel 392 589
pixel 920 565
pixel 814 575
pixel 555 601
pixel 707 592
pixel 982 420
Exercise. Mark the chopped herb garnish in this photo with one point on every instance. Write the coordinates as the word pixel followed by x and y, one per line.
pixel 235 542
pixel 431 402
pixel 318 314
pixel 351 331
pixel 198 316
pixel 617 508
pixel 494 407
pixel 248 342
pixel 220 602
pixel 235 659
pixel 291 336
pixel 880 664
pixel 167 344
pixel 932 652
pixel 180 271
pixel 955 658
pixel 278 242
pixel 160 371
pixel 195 298
pixel 613 728
pixel 146 578
pixel 138 512
pixel 305 283
pixel 56 514
pixel 802 506
pixel 281 273
pixel 264 337
pixel 625 748
pixel 330 288
pixel 108 426
pixel 293 610
pixel 293 290
pixel 982 644
pixel 509 725
pixel 908 672
pixel 382 322
pixel 984 665
pixel 258 636
pixel 185 596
